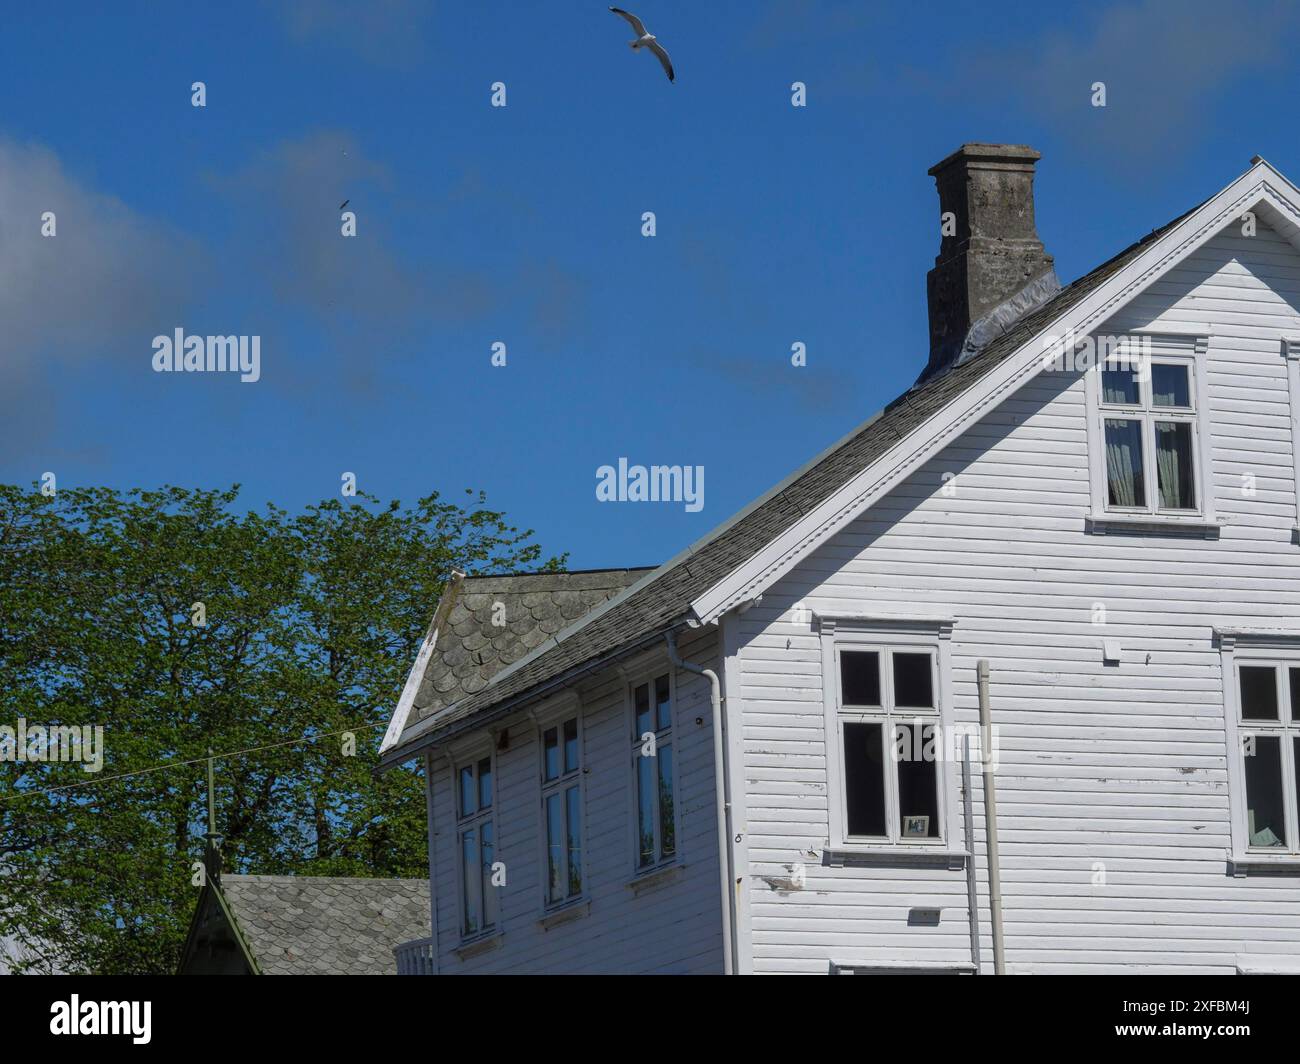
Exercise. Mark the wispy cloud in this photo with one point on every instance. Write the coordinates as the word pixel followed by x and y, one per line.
pixel 390 33
pixel 1162 65
pixel 287 204
pixel 823 26
pixel 101 287
pixel 287 201
pixel 811 389
pixel 781 23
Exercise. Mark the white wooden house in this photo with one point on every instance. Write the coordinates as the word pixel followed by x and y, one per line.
pixel 1120 546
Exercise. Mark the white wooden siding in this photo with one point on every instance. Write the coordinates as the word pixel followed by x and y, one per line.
pixel 673 928
pixel 1119 765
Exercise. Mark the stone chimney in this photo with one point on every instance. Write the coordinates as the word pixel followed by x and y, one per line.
pixel 991 267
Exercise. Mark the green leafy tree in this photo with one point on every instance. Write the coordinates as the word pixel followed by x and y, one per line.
pixel 309 625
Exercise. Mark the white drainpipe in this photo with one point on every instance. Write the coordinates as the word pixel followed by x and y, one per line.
pixel 991 823
pixel 722 789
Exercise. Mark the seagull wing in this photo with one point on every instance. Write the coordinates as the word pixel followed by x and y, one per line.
pixel 658 50
pixel 637 24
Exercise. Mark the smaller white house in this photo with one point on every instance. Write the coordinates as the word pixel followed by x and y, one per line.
pixel 750 759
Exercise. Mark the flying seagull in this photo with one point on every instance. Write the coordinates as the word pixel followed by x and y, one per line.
pixel 646 40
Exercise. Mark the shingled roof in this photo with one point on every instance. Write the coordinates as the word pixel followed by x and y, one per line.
pixel 320 925
pixel 484 624
pixel 662 600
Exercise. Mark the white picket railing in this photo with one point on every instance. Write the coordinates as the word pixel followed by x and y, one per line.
pixel 415 958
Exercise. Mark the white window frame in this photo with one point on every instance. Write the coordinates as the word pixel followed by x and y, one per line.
pixel 925 635
pixel 1282 650
pixel 648 674
pixel 463 823
pixel 570 709
pixel 1189 351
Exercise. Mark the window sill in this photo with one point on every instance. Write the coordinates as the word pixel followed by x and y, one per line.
pixel 1101 524
pixel 902 968
pixel 894 857
pixel 476 946
pixel 655 878
pixel 1264 864
pixel 567 913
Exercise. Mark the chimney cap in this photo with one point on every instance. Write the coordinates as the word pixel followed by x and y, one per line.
pixel 1017 155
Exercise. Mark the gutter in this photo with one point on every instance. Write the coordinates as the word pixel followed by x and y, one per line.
pixel 722 791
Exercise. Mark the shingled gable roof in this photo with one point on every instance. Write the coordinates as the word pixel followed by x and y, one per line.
pixel 322 925
pixel 484 624
pixel 663 600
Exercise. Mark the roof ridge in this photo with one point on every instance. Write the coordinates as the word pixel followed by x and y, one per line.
pixel 290 878
pixel 560 572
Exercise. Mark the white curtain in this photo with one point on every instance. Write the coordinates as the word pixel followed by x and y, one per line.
pixel 1174 466
pixel 1124 462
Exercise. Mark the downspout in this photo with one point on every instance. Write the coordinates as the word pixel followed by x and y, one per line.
pixel 972 887
pixel 722 791
pixel 991 822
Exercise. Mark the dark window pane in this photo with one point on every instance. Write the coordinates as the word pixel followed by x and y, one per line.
pixel 1169 386
pixel 1118 386
pixel 1265 823
pixel 573 822
pixel 1174 475
pixel 1295 705
pixel 864 779
pixel 645 809
pixel 641 699
pixel 664 706
pixel 550 754
pixel 667 821
pixel 554 848
pixel 1126 485
pixel 918 783
pixel 859 678
pixel 469 865
pixel 468 795
pixel 485 783
pixel 1258 692
pixel 489 891
pixel 571 745
pixel 913 681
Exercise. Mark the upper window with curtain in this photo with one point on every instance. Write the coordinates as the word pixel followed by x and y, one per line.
pixel 1150 437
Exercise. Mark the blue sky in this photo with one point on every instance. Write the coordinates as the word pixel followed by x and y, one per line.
pixel 523 225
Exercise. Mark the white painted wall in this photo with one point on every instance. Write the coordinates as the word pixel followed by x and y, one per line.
pixel 1124 765
pixel 673 928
